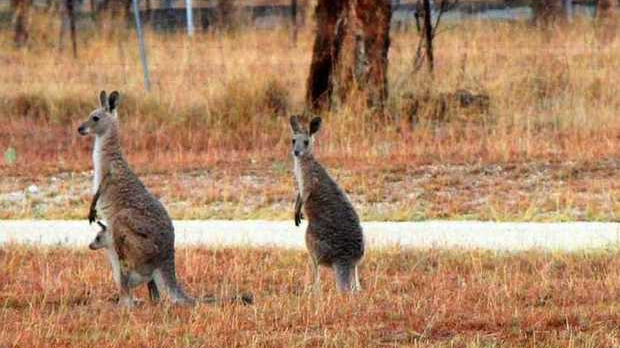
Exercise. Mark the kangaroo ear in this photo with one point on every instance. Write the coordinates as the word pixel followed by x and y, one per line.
pixel 315 125
pixel 113 101
pixel 103 99
pixel 295 124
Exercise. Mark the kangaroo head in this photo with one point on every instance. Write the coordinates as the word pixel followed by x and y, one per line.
pixel 303 139
pixel 102 240
pixel 103 118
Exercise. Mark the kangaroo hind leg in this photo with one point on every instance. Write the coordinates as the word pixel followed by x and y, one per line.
pixel 356 285
pixel 153 291
pixel 125 298
pixel 344 274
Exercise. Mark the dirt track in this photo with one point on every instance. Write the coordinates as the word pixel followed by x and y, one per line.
pixel 431 234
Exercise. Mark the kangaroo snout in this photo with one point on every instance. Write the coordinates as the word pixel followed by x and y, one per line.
pixel 83 130
pixel 92 246
pixel 297 153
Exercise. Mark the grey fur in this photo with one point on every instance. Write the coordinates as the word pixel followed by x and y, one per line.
pixel 334 236
pixel 141 247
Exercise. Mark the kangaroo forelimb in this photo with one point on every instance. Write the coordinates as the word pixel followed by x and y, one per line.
pixel 92 212
pixel 298 214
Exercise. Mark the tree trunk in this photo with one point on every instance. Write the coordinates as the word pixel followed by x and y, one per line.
pixel 67 16
pixel 428 34
pixel 21 9
pixel 547 11
pixel 226 15
pixel 70 4
pixel 319 86
pixel 350 53
pixel 606 20
pixel 372 56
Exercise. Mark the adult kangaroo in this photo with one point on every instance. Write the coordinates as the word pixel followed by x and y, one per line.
pixel 142 235
pixel 334 236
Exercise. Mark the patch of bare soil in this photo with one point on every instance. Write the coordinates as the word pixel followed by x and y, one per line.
pixel 586 191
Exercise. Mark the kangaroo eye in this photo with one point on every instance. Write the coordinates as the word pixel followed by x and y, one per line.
pixel 293 141
pixel 96 118
pixel 306 142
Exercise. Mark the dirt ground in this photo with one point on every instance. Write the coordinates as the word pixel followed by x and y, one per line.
pixel 569 191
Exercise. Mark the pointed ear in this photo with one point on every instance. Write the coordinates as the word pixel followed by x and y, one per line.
pixel 315 125
pixel 113 101
pixel 103 99
pixel 295 124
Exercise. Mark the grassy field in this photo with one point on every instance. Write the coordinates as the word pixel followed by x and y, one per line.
pixel 211 140
pixel 430 298
pixel 212 136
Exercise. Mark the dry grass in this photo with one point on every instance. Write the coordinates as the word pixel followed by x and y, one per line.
pixel 219 105
pixel 61 298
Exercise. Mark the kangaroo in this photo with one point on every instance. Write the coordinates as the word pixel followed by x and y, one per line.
pixel 334 236
pixel 141 235
pixel 103 240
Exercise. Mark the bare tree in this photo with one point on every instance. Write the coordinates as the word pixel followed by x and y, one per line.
pixel 429 31
pixel 21 9
pixel 428 34
pixel 67 14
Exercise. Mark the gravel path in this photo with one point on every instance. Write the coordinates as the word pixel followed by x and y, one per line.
pixel 257 233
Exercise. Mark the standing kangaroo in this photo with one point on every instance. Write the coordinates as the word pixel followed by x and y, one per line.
pixel 142 235
pixel 334 237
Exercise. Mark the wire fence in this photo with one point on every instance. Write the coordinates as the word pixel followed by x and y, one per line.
pixel 170 15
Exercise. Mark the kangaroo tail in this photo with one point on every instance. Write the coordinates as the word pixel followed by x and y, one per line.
pixel 165 279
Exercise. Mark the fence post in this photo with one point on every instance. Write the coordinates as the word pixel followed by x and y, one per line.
pixel 145 64
pixel 190 17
